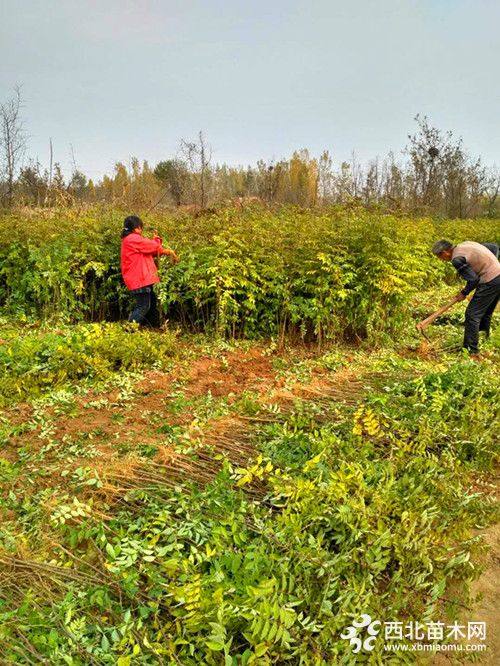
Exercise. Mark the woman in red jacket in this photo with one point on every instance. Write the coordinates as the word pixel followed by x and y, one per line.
pixel 138 266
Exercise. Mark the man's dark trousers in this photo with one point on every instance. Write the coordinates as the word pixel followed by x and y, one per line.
pixel 479 313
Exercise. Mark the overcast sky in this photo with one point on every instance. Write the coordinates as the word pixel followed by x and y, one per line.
pixel 117 78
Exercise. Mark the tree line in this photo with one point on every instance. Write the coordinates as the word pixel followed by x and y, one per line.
pixel 434 175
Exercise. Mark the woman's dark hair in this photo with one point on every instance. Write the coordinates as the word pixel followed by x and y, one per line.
pixel 130 223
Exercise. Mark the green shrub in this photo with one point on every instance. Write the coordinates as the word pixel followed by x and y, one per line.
pixel 43 360
pixel 255 272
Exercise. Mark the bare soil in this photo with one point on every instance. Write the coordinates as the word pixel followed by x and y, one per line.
pixel 485 592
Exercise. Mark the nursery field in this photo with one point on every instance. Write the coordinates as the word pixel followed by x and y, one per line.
pixel 284 456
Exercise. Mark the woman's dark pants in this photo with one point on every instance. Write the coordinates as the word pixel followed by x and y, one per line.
pixel 146 307
pixel 479 313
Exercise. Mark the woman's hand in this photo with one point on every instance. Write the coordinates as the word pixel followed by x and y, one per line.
pixel 173 257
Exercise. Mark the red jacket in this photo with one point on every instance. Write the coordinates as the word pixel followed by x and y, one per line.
pixel 137 260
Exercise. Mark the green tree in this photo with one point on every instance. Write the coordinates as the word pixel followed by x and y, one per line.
pixel 173 174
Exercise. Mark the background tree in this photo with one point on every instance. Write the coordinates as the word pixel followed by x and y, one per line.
pixel 78 185
pixel 493 189
pixel 435 175
pixel 12 141
pixel 198 156
pixel 32 183
pixel 303 179
pixel 442 177
pixel 174 175
pixel 393 185
pixel 325 177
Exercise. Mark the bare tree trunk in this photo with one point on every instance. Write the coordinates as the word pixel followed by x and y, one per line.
pixel 202 171
pixel 51 166
pixel 492 198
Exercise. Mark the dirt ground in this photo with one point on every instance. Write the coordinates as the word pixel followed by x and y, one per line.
pixel 488 586
pixel 486 591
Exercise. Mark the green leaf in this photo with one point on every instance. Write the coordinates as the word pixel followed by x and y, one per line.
pixel 124 661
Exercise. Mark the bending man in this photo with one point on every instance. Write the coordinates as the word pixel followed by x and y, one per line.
pixel 479 266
